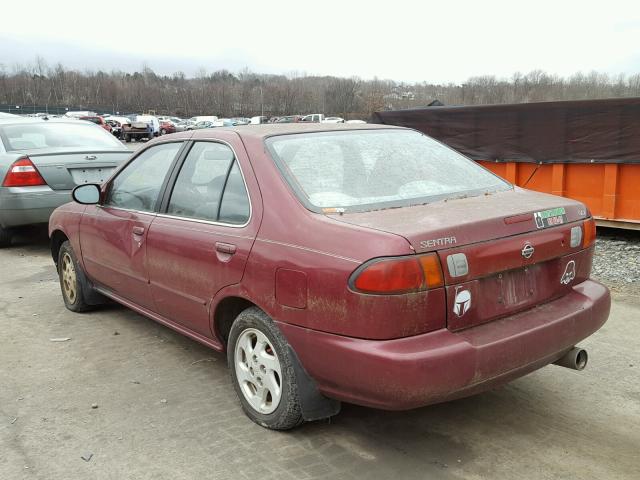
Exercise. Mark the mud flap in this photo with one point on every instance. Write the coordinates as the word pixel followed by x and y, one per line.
pixel 315 406
pixel 93 297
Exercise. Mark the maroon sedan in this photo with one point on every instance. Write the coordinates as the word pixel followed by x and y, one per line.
pixel 358 263
pixel 98 121
pixel 167 127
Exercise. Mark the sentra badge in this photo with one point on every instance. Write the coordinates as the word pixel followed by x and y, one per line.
pixel 438 242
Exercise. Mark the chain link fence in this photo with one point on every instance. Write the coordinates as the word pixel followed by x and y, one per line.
pixel 56 110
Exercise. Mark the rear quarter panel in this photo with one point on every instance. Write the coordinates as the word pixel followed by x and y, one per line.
pixel 299 268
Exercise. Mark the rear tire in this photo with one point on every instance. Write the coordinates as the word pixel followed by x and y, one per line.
pixel 73 282
pixel 262 371
pixel 5 238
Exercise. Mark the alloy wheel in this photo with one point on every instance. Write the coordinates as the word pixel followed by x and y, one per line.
pixel 68 278
pixel 258 371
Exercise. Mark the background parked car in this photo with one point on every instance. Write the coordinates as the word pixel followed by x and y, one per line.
pixel 137 131
pixel 313 118
pixel 152 120
pixel 201 125
pixel 116 127
pixel 333 120
pixel 41 161
pixel 98 120
pixel 203 118
pixel 258 120
pixel 289 119
pixel 120 119
pixel 229 122
pixel 78 114
pixel 184 125
pixel 167 127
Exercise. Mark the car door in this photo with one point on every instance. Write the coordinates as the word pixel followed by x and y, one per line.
pixel 201 240
pixel 113 234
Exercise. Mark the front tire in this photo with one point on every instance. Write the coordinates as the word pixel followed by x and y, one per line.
pixel 73 283
pixel 262 371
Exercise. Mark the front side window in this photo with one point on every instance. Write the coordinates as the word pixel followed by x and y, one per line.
pixel 369 169
pixel 210 186
pixel 138 186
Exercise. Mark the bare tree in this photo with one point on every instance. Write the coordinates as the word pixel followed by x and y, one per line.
pixel 246 93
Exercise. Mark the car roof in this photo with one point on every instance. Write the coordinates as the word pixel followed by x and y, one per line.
pixel 271 129
pixel 16 120
pixel 22 120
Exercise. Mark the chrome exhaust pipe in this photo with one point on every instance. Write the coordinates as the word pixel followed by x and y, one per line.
pixel 576 359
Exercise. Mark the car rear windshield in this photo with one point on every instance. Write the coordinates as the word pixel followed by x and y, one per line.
pixel 36 136
pixel 365 170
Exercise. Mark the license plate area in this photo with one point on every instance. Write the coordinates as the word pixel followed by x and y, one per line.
pixel 478 301
pixel 516 287
pixel 511 291
pixel 90 175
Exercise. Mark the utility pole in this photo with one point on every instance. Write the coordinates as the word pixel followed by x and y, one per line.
pixel 261 102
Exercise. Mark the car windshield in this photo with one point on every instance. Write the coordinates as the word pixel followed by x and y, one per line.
pixel 35 136
pixel 365 170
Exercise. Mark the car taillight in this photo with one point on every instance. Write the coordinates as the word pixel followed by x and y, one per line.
pixel 395 275
pixel 23 173
pixel 589 235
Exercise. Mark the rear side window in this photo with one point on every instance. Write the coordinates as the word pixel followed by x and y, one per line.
pixel 210 186
pixel 234 207
pixel 137 186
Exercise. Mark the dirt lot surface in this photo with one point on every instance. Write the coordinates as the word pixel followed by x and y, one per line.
pixel 165 408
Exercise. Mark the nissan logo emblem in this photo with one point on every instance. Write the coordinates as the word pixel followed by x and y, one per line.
pixel 527 250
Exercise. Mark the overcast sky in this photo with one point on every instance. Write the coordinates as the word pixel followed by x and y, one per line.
pixel 414 41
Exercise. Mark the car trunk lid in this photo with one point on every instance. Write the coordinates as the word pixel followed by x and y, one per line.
pixel 500 253
pixel 63 170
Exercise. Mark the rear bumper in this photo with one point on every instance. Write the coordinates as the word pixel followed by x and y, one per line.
pixel 442 365
pixel 29 205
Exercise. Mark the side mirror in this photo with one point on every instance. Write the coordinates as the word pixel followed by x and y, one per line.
pixel 87 194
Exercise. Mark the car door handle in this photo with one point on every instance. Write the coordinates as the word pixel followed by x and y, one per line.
pixel 225 248
pixel 138 230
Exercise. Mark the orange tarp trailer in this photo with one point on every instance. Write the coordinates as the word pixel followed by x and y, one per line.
pixel 587 150
pixel 610 190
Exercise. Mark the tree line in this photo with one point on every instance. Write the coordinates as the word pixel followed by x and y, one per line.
pixel 246 93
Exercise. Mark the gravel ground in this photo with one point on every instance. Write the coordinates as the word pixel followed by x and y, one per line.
pixel 123 397
pixel 617 259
